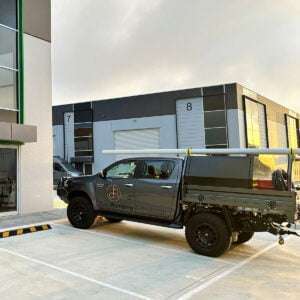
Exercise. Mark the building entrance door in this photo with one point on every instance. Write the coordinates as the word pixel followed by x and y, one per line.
pixel 8 180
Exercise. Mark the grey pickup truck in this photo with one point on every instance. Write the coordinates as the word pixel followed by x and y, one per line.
pixel 219 200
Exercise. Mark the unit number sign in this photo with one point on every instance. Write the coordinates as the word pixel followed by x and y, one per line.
pixel 189 106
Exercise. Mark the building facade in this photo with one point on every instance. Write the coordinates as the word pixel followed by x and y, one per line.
pixel 222 116
pixel 25 106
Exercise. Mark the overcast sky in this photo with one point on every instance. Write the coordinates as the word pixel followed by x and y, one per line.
pixel 115 48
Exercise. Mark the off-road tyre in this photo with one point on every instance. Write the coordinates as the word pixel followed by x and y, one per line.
pixel 81 213
pixel 208 234
pixel 244 237
pixel 113 220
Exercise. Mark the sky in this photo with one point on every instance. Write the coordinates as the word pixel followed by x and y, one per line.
pixel 113 48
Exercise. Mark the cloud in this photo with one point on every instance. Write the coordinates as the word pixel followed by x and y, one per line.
pixel 115 48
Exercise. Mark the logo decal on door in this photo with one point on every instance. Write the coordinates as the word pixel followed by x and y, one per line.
pixel 113 193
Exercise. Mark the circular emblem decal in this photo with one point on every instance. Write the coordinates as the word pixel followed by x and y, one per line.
pixel 113 193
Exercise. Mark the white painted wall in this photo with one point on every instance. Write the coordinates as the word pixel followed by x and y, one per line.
pixel 36 159
pixel 104 135
pixel 236 128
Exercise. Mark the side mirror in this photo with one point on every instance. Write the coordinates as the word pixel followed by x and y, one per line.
pixel 102 174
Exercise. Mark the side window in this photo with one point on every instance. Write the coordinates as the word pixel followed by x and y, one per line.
pixel 122 170
pixel 156 169
pixel 57 167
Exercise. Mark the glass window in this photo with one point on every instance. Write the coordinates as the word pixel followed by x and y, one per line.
pixel 292 129
pixel 156 169
pixel 256 124
pixel 83 139
pixel 8 180
pixel 8 89
pixel 214 119
pixel 214 103
pixel 8 13
pixel 122 170
pixel 215 136
pixel 83 116
pixel 8 48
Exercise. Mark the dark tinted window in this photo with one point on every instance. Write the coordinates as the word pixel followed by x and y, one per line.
pixel 8 13
pixel 83 144
pixel 215 136
pixel 57 167
pixel 156 169
pixel 214 103
pixel 215 119
pixel 83 116
pixel 8 47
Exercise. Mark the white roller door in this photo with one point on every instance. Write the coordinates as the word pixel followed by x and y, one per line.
pixel 136 139
pixel 190 123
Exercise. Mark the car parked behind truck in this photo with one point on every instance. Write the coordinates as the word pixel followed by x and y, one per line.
pixel 62 168
pixel 216 198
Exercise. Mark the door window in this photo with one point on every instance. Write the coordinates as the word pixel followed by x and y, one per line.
pixel 156 169
pixel 8 180
pixel 122 170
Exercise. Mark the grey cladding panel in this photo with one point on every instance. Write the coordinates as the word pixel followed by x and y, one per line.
pixel 58 113
pixel 37 18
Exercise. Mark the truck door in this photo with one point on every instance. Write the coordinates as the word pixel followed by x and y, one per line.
pixel 156 188
pixel 115 192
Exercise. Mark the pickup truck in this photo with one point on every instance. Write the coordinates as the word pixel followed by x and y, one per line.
pixel 217 199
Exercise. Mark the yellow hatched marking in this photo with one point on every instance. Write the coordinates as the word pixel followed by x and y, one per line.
pixel 19 231
pixel 45 227
pixel 5 234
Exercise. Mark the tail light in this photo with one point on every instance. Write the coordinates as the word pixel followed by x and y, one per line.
pixel 263 184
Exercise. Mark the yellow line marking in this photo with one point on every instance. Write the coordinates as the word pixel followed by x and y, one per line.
pixel 20 231
pixel 32 229
pixel 5 234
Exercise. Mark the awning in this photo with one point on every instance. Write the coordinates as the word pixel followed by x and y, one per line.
pixel 18 133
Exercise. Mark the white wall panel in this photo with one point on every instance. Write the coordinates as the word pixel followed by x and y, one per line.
pixel 58 140
pixel 236 128
pixel 36 182
pixel 190 123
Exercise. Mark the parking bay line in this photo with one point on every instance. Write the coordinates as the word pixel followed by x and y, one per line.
pixel 224 274
pixel 62 270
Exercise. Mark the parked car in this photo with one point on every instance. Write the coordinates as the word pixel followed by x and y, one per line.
pixel 61 169
pixel 215 198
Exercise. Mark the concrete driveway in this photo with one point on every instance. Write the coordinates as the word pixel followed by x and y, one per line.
pixel 137 261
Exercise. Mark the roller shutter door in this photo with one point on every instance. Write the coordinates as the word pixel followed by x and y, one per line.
pixel 136 139
pixel 190 123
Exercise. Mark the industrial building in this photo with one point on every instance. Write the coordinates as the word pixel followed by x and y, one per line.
pixel 221 116
pixel 25 106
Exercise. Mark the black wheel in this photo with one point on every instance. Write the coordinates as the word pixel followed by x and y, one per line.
pixel 113 220
pixel 244 237
pixel 208 234
pixel 81 213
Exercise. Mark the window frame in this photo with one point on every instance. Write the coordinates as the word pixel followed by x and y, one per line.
pixel 246 98
pixel 125 161
pixel 286 117
pixel 19 85
pixel 145 161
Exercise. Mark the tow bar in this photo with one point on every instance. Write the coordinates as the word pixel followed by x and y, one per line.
pixel 281 230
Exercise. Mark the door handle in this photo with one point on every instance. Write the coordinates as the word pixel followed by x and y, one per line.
pixel 128 184
pixel 166 187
